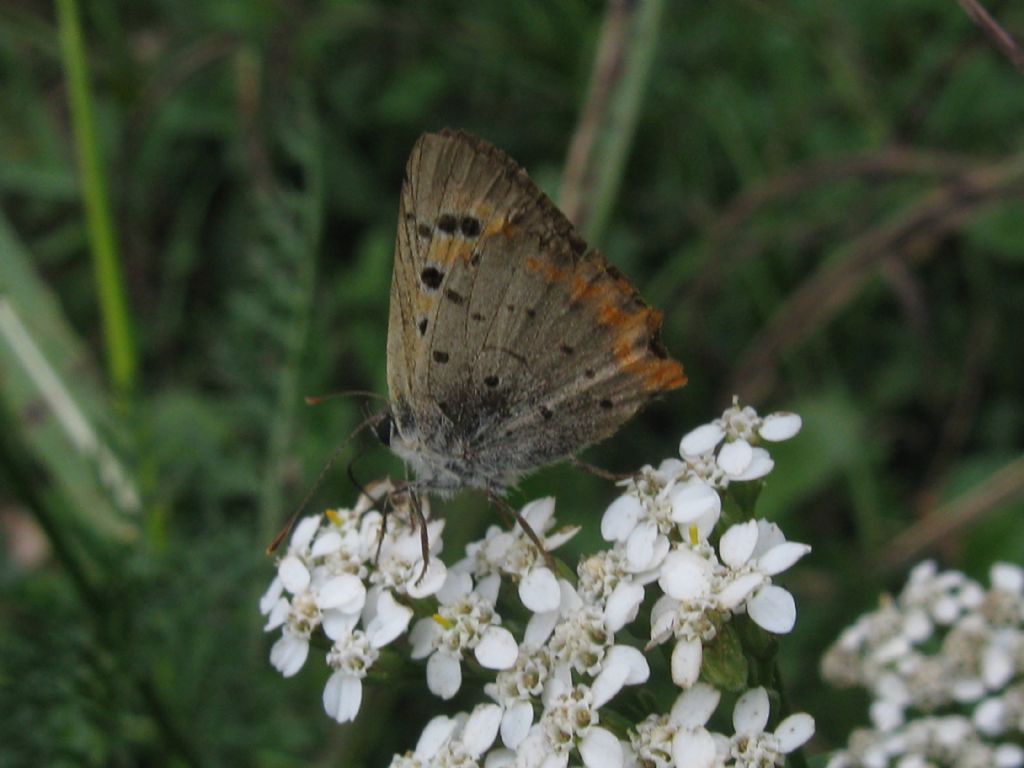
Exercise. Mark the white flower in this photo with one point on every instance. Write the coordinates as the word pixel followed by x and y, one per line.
pixel 679 738
pixel 687 612
pixel 399 564
pixel 350 657
pixel 753 552
pixel 513 553
pixel 570 720
pixel 943 646
pixel 299 615
pixel 515 689
pixel 456 742
pixel 752 745
pixel 603 579
pixel 739 458
pixel 465 621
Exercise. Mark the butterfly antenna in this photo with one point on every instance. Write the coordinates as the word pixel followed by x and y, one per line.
pixel 367 422
pixel 352 476
pixel 317 399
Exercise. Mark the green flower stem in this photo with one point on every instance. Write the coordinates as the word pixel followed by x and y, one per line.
pixel 102 241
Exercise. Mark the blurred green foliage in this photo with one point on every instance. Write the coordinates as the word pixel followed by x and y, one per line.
pixel 823 197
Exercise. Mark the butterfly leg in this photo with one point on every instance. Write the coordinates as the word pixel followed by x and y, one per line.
pixel 384 512
pixel 596 471
pixel 511 512
pixel 421 521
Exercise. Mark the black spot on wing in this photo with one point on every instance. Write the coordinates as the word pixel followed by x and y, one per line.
pixel 447 223
pixel 431 278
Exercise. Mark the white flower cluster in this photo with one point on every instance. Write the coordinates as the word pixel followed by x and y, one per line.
pixel 944 663
pixel 557 650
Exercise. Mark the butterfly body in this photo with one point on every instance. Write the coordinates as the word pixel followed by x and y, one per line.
pixel 511 345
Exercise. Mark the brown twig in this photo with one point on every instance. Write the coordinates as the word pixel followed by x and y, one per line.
pixel 888 163
pixel 609 66
pixel 828 291
pixel 950 519
pixel 962 410
pixel 1000 38
pixel 604 132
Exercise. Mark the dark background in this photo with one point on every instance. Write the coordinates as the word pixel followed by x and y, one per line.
pixel 825 199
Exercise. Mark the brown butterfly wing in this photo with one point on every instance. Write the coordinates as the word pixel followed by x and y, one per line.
pixel 511 345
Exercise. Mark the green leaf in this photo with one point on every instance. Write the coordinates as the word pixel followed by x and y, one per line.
pixel 725 665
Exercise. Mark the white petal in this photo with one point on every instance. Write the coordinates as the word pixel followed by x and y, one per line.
pixel 760 465
pixel 685 575
pixel 639 669
pixel 694 749
pixel 294 574
pixel 444 675
pixel 650 560
pixel 488 588
pixel 623 665
pixel 534 750
pixel 538 512
pixel 773 609
pixel 621 518
pixel 640 547
pixel 342 696
pixel 326 543
pixel 608 683
pixel 663 619
pixel 497 649
pixel 304 531
pixel 432 581
pixel 781 557
pixel 539 590
pixel 780 426
pixel 738 590
pixel 457 584
pixel 1007 577
pixel 346 592
pixel 990 717
pixel 600 749
pixel 539 629
pixel 1009 756
pixel 516 723
pixel 794 731
pixel 670 469
pixel 998 666
pixel 695 706
pixel 481 728
pixel 422 637
pixel 751 713
pixel 391 620
pixel 288 654
pixel 693 500
pixel 737 544
pixel 686 661
pixel 272 596
pixel 338 624
pixel 435 735
pixel 560 537
pixel 623 605
pixel 701 440
pixel 735 457
pixel 571 601
pixel 277 615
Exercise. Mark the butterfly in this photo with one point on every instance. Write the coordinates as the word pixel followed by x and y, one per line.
pixel 511 344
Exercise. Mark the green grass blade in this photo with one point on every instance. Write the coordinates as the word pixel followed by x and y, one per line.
pixel 120 347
